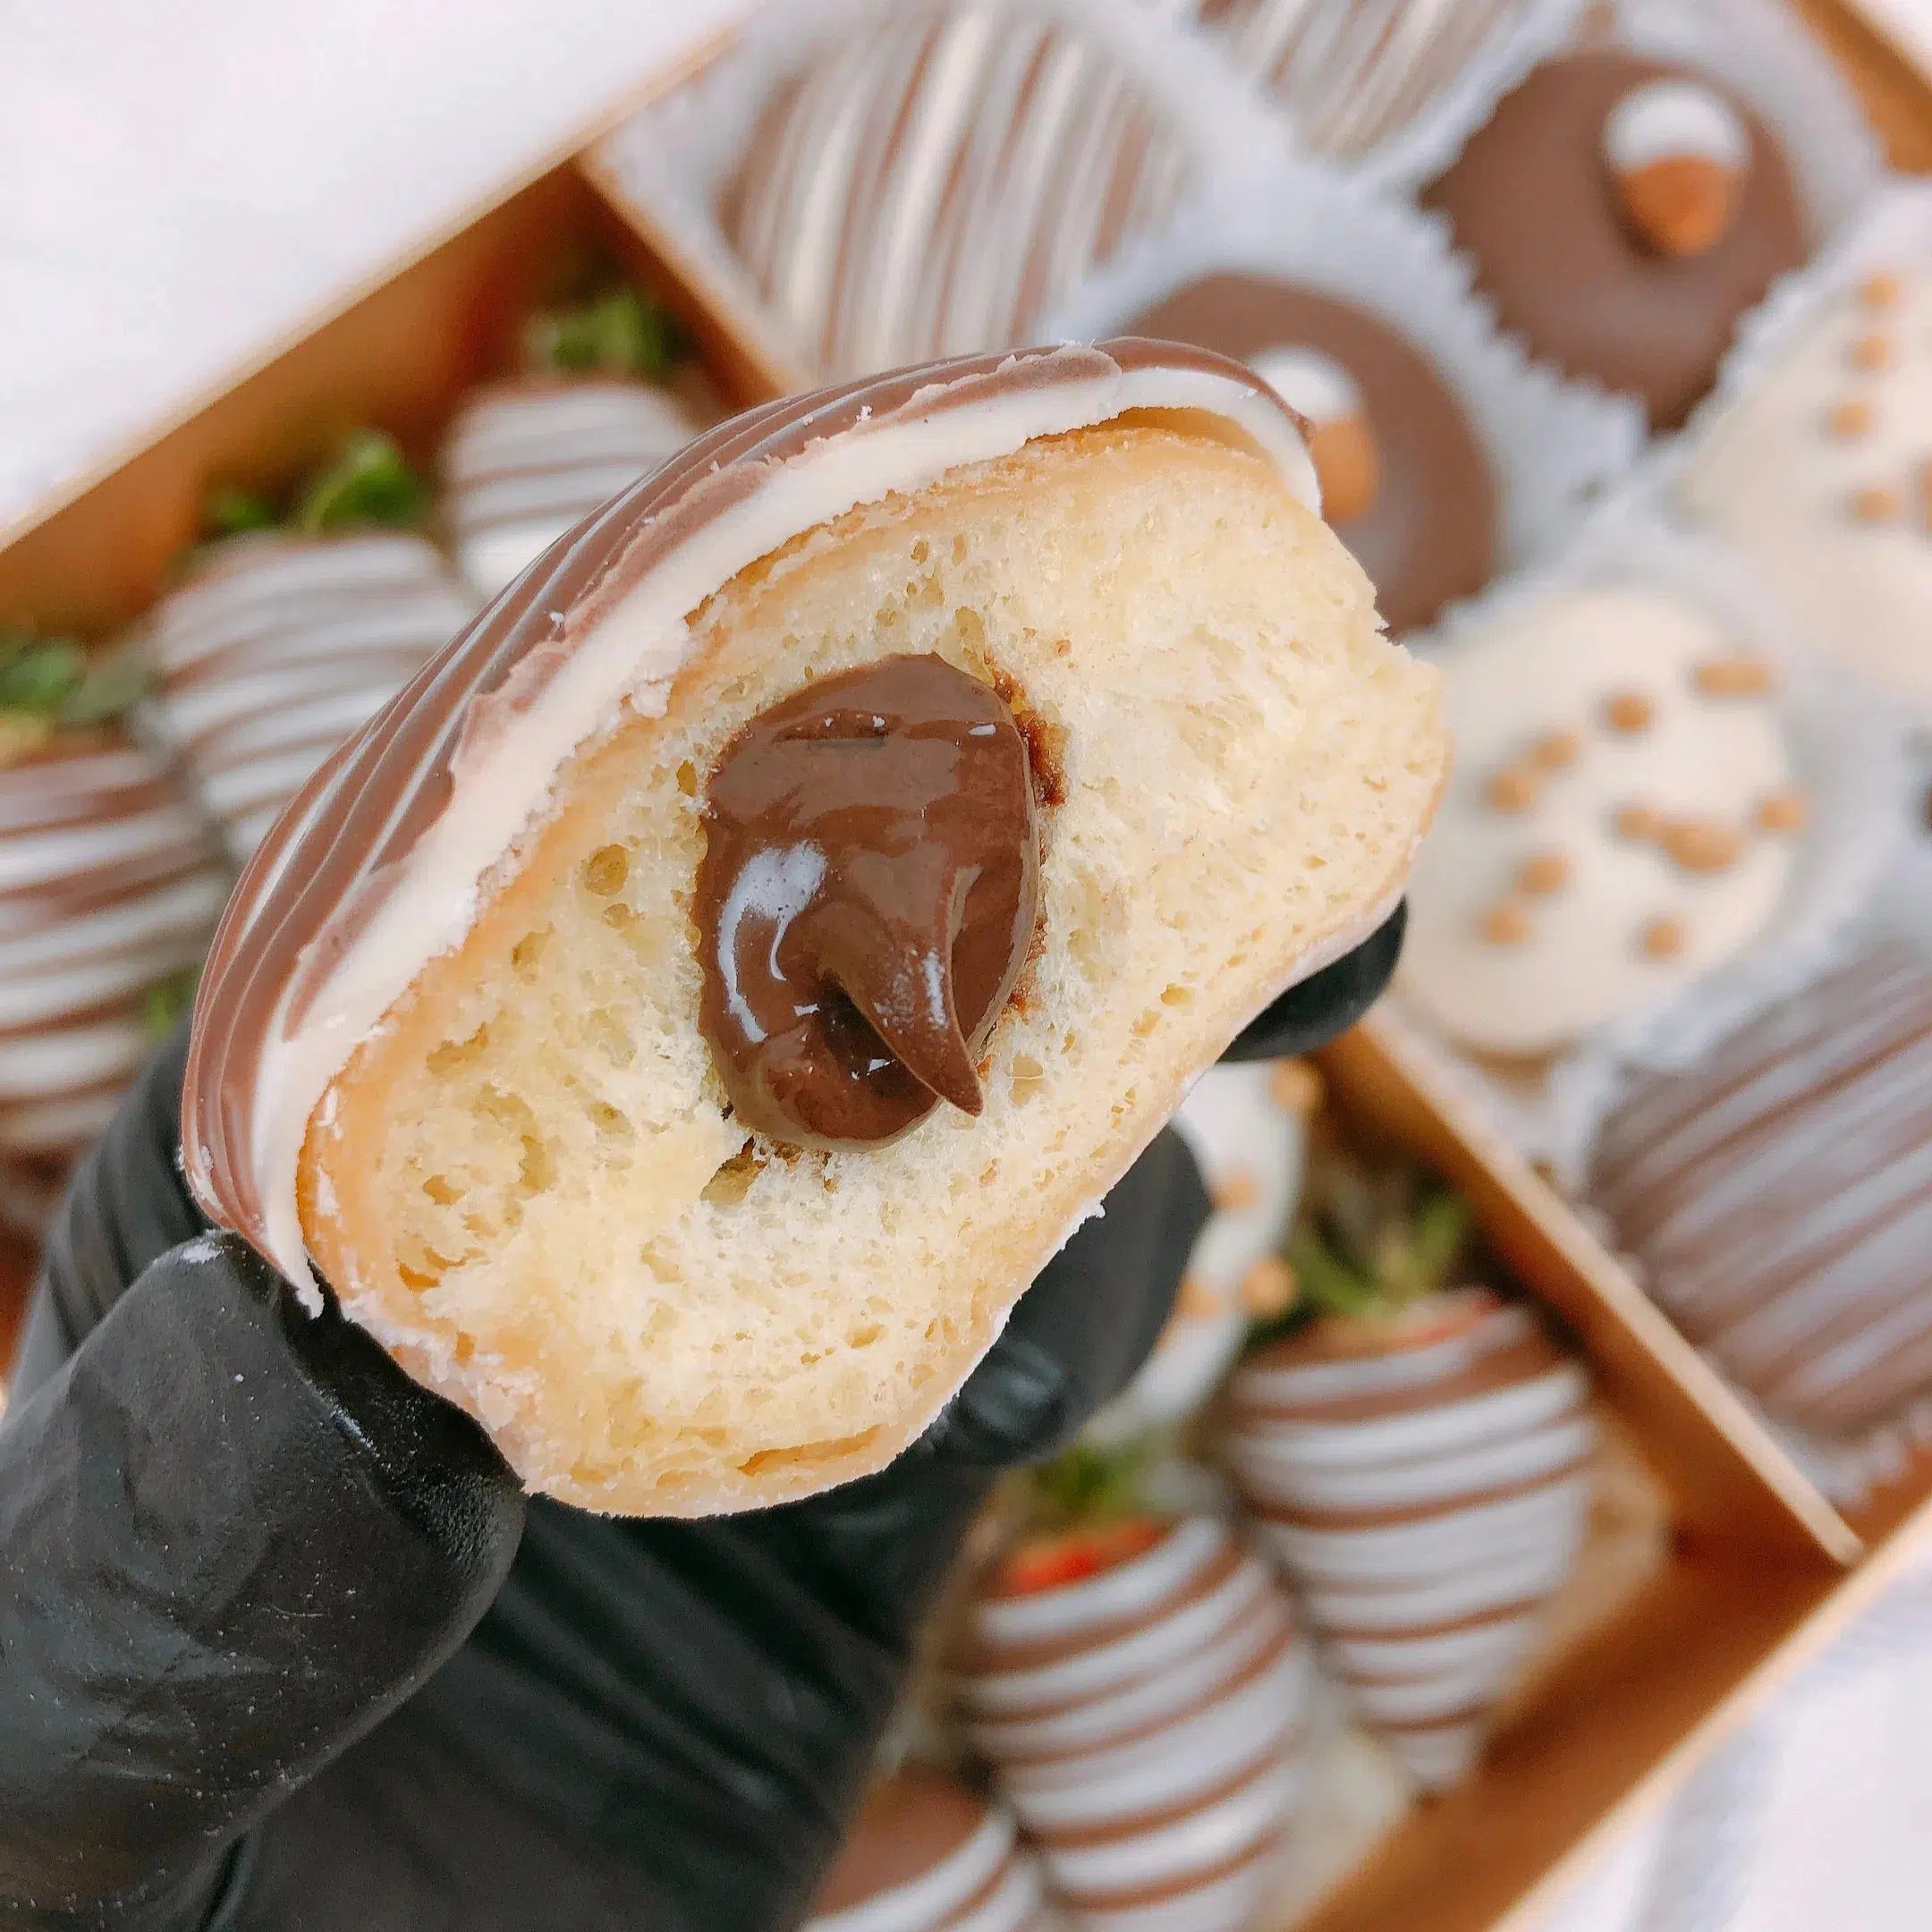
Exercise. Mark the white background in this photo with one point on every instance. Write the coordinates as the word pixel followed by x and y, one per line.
pixel 179 182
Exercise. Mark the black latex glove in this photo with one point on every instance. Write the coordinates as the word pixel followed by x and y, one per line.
pixel 282 1645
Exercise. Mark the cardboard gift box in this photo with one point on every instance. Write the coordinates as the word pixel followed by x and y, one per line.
pixel 1757 1569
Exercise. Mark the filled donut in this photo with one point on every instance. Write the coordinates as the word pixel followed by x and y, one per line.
pixel 682 1023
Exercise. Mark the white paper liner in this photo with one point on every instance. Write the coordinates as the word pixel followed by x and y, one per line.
pixel 1850 756
pixel 1555 443
pixel 675 156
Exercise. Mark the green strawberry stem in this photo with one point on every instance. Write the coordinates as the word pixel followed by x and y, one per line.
pixel 231 510
pixel 1084 1486
pixel 168 1000
pixel 1372 1241
pixel 56 679
pixel 368 482
pixel 620 333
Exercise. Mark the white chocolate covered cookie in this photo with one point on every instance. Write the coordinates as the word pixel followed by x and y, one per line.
pixel 1821 475
pixel 1622 819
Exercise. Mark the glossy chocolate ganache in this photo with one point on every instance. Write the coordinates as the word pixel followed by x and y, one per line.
pixel 865 900
pixel 383 860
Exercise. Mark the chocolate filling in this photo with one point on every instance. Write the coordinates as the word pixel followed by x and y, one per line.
pixel 865 901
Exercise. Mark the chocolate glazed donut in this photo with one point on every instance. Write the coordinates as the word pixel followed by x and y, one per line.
pixel 1532 199
pixel 1427 535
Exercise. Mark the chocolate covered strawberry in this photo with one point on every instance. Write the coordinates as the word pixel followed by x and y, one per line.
pixel 925 1854
pixel 1417 1457
pixel 1139 1689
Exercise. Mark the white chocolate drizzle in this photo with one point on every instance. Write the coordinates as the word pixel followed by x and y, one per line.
pixel 280 648
pixel 1425 1499
pixel 1147 1725
pixel 523 462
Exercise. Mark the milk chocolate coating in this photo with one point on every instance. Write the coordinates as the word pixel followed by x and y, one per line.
pixel 865 900
pixel 1532 201
pixel 1429 535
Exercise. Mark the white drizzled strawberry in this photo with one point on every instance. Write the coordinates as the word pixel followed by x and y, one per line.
pixel 280 647
pixel 925 1854
pixel 1420 1468
pixel 110 884
pixel 525 460
pixel 1140 1694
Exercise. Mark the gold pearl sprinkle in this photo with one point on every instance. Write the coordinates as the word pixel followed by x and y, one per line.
pixel 1872 351
pixel 1662 939
pixel 1514 789
pixel 1628 712
pixel 1702 845
pixel 1742 675
pixel 1849 419
pixel 1555 749
pixel 1542 874
pixel 1639 824
pixel 1198 1300
pixel 1881 289
pixel 1504 925
pixel 1783 812
pixel 1268 1288
pixel 1234 1191
pixel 1876 503
pixel 1295 1087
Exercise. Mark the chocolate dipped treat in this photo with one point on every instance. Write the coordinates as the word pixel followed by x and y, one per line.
pixel 1820 473
pixel 702 1171
pixel 1622 214
pixel 1405 483
pixel 526 459
pixel 278 646
pixel 1417 1458
pixel 1623 817
pixel 110 884
pixel 925 1854
pixel 1777 1196
pixel 1246 1124
pixel 1352 76
pixel 1140 1692
pixel 939 175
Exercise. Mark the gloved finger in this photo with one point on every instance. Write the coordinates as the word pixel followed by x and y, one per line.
pixel 126 1206
pixel 1088 1322
pixel 794 1627
pixel 234 1536
pixel 1310 1015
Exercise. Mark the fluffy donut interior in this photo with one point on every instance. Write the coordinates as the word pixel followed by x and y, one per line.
pixel 528 1183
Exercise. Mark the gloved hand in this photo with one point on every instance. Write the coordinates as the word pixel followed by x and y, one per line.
pixel 283 1644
